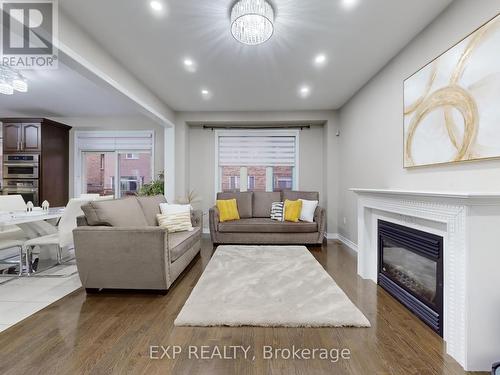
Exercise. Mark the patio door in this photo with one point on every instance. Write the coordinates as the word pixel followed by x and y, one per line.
pixel 113 163
pixel 118 173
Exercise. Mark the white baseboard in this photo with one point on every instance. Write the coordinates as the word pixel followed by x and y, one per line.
pixel 332 236
pixel 346 241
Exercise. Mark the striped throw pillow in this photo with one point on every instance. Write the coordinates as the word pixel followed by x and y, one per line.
pixel 175 222
pixel 277 211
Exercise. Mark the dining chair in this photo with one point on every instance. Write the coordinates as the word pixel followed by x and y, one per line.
pixel 8 204
pixel 11 236
pixel 62 238
pixel 7 244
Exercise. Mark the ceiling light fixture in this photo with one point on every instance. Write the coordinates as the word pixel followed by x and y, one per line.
pixel 206 93
pixel 156 5
pixel 11 80
pixel 189 64
pixel 348 4
pixel 304 91
pixel 320 60
pixel 252 21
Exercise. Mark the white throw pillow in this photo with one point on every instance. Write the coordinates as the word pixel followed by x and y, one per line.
pixel 308 209
pixel 175 222
pixel 175 217
pixel 167 208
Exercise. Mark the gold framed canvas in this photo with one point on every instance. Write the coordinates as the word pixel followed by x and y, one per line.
pixel 452 105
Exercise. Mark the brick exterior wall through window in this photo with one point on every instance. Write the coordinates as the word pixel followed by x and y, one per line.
pixel 100 170
pixel 282 178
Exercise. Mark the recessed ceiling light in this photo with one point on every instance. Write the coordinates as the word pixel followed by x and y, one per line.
pixel 320 60
pixel 349 4
pixel 304 91
pixel 156 5
pixel 206 93
pixel 189 64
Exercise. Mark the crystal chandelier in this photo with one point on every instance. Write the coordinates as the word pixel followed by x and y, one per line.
pixel 252 21
pixel 11 80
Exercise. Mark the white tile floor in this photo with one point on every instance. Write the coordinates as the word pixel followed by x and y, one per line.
pixel 25 296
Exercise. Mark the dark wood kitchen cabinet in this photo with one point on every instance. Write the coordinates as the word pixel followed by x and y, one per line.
pixel 11 137
pixel 22 137
pixel 48 139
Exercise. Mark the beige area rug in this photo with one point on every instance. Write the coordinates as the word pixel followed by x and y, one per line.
pixel 268 286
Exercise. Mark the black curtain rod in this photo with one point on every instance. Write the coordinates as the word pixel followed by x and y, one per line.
pixel 264 127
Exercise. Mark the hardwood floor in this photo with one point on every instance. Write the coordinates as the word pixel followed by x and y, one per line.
pixel 112 334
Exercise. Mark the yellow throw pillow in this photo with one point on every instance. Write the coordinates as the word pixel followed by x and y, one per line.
pixel 228 210
pixel 293 210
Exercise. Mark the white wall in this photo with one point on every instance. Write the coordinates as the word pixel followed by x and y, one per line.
pixel 318 162
pixel 371 123
pixel 114 123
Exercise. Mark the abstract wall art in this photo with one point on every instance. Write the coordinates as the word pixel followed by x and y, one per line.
pixel 452 105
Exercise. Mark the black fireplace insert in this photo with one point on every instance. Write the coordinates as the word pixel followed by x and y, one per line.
pixel 410 268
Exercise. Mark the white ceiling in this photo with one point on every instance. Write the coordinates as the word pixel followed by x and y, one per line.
pixel 64 92
pixel 357 41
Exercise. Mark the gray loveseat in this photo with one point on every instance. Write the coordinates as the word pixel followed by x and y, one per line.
pixel 256 226
pixel 118 245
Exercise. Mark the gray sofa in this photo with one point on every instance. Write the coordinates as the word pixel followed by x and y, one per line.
pixel 118 245
pixel 256 227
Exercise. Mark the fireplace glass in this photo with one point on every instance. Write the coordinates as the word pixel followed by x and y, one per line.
pixel 413 271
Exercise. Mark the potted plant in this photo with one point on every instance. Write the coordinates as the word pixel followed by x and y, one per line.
pixel 155 187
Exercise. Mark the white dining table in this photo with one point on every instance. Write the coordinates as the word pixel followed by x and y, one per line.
pixel 22 217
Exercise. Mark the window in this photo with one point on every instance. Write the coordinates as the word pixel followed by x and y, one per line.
pixel 251 183
pixel 256 160
pixel 113 163
pixel 230 178
pixel 234 183
pixel 282 178
pixel 256 178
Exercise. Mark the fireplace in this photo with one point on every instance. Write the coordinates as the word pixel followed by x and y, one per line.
pixel 410 268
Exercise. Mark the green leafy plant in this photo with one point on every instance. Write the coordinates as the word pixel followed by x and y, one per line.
pixel 156 187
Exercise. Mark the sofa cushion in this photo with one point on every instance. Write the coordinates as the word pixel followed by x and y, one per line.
pixel 116 213
pixel 179 243
pixel 266 225
pixel 151 207
pixel 294 195
pixel 243 200
pixel 262 202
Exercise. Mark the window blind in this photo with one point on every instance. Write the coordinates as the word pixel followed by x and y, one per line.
pixel 257 150
pixel 111 141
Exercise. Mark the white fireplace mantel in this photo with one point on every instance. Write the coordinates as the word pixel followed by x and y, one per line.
pixel 470 225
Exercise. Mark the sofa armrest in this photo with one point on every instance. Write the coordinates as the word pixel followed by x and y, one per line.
pixel 213 219
pixel 109 256
pixel 197 218
pixel 320 218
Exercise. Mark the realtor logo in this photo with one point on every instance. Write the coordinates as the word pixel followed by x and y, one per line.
pixel 28 34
